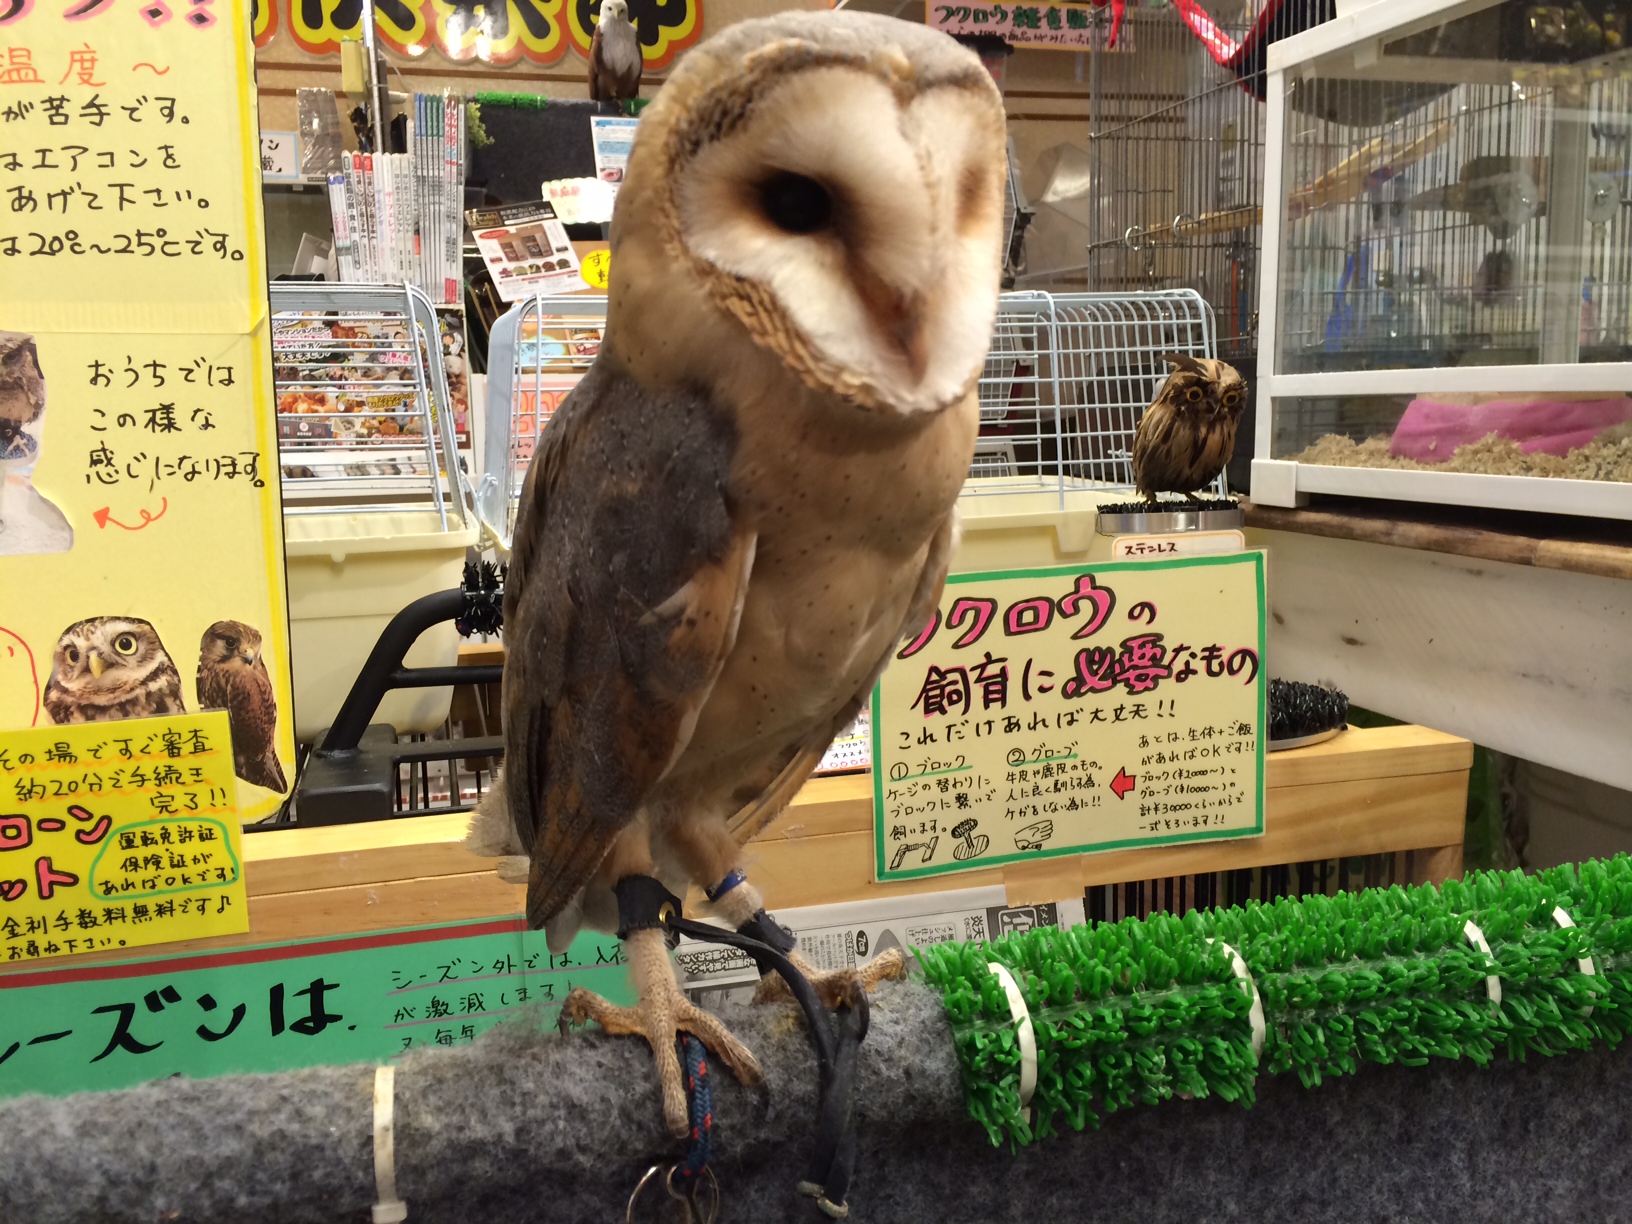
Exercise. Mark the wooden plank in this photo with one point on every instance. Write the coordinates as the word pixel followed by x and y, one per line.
pixel 1546 541
pixel 1369 752
pixel 295 860
pixel 291 860
pixel 1302 823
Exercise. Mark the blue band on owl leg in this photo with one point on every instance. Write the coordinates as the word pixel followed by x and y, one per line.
pixel 733 878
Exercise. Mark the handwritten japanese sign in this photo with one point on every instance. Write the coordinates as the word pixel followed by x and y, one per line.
pixel 139 504
pixel 128 160
pixel 117 835
pixel 279 1007
pixel 1072 27
pixel 1071 709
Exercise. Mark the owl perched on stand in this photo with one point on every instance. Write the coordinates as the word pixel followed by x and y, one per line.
pixel 1188 434
pixel 615 62
pixel 734 518
pixel 232 676
pixel 111 667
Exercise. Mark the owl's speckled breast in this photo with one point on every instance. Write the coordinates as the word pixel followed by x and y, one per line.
pixel 846 505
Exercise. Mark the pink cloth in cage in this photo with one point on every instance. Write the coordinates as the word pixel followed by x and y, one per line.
pixel 1429 430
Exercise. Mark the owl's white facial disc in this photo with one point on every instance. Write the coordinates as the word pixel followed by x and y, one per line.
pixel 873 218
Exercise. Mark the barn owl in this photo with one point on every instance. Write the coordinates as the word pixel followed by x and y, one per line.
pixel 750 497
pixel 111 667
pixel 615 62
pixel 232 676
pixel 1188 434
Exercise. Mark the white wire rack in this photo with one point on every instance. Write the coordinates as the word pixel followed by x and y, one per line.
pixel 1068 377
pixel 537 352
pixel 364 416
pixel 1065 382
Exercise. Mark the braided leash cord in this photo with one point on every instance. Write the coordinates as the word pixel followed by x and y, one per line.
pixel 695 1057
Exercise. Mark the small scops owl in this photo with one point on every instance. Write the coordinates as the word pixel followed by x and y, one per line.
pixel 735 516
pixel 1188 434
pixel 232 676
pixel 615 62
pixel 111 667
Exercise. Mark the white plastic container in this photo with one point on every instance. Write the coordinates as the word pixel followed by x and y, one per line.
pixel 349 574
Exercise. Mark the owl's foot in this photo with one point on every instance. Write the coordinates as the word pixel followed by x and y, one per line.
pixel 837 985
pixel 662 1012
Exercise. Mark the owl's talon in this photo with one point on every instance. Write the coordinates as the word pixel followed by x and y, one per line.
pixel 658 1017
pixel 835 986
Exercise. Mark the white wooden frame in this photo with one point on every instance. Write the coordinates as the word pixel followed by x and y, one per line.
pixel 1352 43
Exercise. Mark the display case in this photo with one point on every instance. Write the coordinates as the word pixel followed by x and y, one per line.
pixel 1447 277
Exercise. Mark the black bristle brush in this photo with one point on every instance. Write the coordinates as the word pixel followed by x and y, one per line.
pixel 1302 714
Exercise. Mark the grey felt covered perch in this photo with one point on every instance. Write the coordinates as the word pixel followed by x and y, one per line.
pixel 527 1127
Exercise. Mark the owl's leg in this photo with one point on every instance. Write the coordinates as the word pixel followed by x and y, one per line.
pixel 663 1009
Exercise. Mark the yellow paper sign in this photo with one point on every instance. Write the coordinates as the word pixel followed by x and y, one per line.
pixel 140 530
pixel 1073 709
pixel 596 269
pixel 129 163
pixel 118 835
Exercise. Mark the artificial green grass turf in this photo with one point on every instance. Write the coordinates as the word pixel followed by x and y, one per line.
pixel 1142 1010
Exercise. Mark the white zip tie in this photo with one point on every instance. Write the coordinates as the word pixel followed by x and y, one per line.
pixel 1583 963
pixel 390 1209
pixel 1256 1016
pixel 1493 984
pixel 1028 1036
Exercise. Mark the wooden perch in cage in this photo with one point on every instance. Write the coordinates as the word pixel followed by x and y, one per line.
pixel 1347 180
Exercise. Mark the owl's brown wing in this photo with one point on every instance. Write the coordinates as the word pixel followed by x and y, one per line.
pixel 1153 445
pixel 626 581
pixel 597 92
pixel 252 713
pixel 803 758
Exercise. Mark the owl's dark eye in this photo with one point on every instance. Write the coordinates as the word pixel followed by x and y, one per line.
pixel 1231 398
pixel 1192 395
pixel 796 204
pixel 73 654
pixel 232 645
pixel 125 644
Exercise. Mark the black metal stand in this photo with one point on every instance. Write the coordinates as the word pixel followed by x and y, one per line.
pixel 351 775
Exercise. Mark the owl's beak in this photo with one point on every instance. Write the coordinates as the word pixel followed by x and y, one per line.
pixel 899 314
pixel 248 658
pixel 94 662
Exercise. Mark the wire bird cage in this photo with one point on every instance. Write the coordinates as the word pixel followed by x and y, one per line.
pixel 1068 377
pixel 1061 392
pixel 1169 190
pixel 1425 221
pixel 358 377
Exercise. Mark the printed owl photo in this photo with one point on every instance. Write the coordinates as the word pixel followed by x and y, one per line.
pixel 29 522
pixel 1187 435
pixel 232 676
pixel 111 667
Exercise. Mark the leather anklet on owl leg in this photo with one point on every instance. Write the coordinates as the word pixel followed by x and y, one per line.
pixel 740 904
pixel 646 913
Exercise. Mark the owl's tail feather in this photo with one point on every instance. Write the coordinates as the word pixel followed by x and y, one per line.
pixel 266 772
pixel 492 834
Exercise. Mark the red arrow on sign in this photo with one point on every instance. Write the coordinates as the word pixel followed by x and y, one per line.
pixel 1123 783
pixel 104 516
